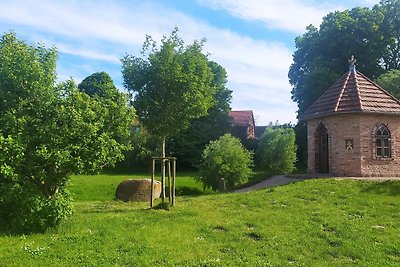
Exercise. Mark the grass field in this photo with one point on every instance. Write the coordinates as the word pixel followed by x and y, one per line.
pixel 323 222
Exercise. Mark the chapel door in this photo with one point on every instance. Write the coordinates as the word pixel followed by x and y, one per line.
pixel 324 151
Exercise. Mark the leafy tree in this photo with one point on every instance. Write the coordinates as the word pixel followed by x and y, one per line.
pixel 225 158
pixel 277 150
pixel 390 81
pixel 118 118
pixel 188 144
pixel 99 83
pixel 321 55
pixel 48 132
pixel 390 29
pixel 172 85
pixel 143 147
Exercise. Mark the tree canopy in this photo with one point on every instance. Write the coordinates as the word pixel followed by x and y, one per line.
pixel 390 81
pixel 172 84
pixel 189 143
pixel 321 54
pixel 48 132
pixel 276 150
pixel 372 35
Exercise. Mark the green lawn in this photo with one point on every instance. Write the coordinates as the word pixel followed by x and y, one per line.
pixel 321 222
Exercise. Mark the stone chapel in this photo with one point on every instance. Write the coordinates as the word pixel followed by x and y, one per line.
pixel 353 129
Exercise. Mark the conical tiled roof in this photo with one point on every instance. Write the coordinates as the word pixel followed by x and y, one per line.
pixel 353 93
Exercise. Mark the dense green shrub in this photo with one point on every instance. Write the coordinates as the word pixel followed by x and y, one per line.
pixel 276 151
pixel 24 209
pixel 225 158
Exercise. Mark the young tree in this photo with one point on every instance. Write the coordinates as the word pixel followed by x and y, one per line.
pixel 225 158
pixel 172 85
pixel 277 150
pixel 48 132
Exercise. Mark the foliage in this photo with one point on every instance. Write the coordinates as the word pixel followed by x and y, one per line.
pixel 276 151
pixel 300 131
pixel 188 144
pixel 321 54
pixel 119 120
pixel 24 209
pixel 172 85
pixel 390 29
pixel 143 147
pixel 225 158
pixel 390 81
pixel 309 223
pixel 99 83
pixel 48 132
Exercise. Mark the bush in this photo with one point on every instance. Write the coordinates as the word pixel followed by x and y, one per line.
pixel 25 210
pixel 225 158
pixel 276 151
pixel 49 131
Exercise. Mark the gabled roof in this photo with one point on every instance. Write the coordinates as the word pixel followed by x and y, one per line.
pixel 353 93
pixel 242 118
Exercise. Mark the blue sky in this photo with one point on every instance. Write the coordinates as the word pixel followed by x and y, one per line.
pixel 252 39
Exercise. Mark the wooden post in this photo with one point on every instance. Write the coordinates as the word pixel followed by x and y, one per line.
pixel 169 180
pixel 152 183
pixel 163 170
pixel 173 180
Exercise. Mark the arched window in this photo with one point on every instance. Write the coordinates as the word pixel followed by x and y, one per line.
pixel 383 143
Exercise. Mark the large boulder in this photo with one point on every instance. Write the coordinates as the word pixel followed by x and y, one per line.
pixel 137 190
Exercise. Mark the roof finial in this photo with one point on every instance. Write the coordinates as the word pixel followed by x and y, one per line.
pixel 352 62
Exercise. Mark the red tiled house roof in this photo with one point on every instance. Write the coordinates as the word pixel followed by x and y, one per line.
pixel 353 93
pixel 243 119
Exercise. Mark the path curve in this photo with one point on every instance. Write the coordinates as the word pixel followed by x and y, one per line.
pixel 270 182
pixel 282 179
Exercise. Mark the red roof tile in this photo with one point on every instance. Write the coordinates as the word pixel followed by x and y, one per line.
pixel 353 92
pixel 242 118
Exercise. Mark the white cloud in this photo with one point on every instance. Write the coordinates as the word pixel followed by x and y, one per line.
pixel 291 15
pixel 88 53
pixel 116 22
pixel 104 30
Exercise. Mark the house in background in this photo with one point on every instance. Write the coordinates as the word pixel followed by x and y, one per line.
pixel 243 125
pixel 353 129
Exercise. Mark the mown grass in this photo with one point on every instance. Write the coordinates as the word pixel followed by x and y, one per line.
pixel 102 187
pixel 323 222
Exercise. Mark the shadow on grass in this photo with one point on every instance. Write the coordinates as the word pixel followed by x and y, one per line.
pixel 390 188
pixel 258 176
pixel 104 211
pixel 188 191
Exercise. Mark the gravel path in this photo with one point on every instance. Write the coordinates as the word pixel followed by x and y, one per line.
pixel 270 182
pixel 282 179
